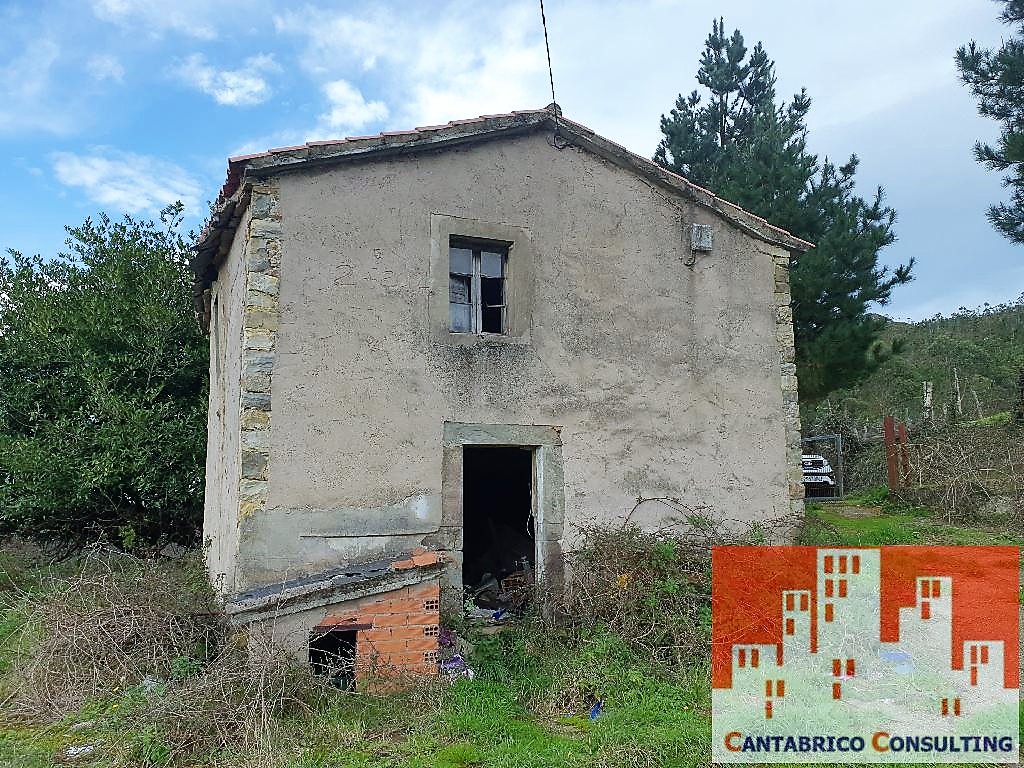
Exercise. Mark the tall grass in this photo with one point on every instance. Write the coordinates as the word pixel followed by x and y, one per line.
pixel 130 657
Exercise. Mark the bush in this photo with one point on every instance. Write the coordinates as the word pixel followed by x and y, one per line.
pixel 116 623
pixel 102 389
pixel 652 589
pixel 969 471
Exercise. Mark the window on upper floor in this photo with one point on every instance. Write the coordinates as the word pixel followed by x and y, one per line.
pixel 476 286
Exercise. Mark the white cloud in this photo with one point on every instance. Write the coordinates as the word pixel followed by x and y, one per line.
pixel 188 17
pixel 433 65
pixel 348 109
pixel 105 67
pixel 244 86
pixel 336 40
pixel 25 81
pixel 126 181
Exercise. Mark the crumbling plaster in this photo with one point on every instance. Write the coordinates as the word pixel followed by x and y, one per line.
pixel 664 380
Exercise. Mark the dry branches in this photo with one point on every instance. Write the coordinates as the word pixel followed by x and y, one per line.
pixel 969 472
pixel 652 588
pixel 138 645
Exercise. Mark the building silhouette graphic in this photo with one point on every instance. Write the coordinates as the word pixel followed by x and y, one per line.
pixel 830 673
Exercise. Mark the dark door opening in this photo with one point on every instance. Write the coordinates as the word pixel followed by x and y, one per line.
pixel 332 653
pixel 497 519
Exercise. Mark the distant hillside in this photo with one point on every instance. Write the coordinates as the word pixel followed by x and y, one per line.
pixel 981 349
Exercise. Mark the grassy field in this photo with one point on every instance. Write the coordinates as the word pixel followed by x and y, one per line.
pixel 527 707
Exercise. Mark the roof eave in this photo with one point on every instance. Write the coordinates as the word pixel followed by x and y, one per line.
pixel 616 153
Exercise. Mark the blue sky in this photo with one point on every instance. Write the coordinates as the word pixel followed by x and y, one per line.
pixel 125 105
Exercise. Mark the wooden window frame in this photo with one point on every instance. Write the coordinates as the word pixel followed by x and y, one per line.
pixel 519 279
pixel 477 247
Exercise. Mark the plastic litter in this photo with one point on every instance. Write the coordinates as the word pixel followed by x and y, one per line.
pixel 457 667
pixel 84 750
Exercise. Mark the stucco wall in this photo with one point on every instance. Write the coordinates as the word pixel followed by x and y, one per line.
pixel 223 465
pixel 664 379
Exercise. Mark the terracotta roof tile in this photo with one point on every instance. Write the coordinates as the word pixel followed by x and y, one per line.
pixel 231 183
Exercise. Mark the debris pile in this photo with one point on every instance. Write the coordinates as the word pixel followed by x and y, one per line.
pixel 496 598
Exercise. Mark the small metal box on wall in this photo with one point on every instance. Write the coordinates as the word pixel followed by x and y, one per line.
pixel 702 238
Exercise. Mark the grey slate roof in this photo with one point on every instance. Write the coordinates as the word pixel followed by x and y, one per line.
pixel 335 585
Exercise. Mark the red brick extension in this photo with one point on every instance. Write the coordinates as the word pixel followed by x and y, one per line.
pixel 396 631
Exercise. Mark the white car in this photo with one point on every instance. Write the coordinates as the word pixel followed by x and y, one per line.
pixel 817 473
pixel 815 464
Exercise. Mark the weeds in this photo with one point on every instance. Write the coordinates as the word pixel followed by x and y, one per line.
pixel 116 623
pixel 183 692
pixel 136 648
pixel 652 589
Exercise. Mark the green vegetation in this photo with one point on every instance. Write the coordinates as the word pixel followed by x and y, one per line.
pixel 735 140
pixel 519 711
pixel 156 702
pixel 179 703
pixel 965 445
pixel 994 78
pixel 869 526
pixel 981 350
pixel 102 388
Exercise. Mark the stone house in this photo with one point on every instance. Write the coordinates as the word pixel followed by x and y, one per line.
pixel 435 352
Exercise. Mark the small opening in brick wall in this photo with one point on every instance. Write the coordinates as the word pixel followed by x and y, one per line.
pixel 431 631
pixel 431 605
pixel 332 653
pixel 430 657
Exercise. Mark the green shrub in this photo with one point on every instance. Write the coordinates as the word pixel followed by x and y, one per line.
pixel 103 401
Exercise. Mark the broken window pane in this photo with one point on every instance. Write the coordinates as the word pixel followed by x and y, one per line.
pixel 491 264
pixel 461 316
pixel 490 320
pixel 492 291
pixel 459 289
pixel 460 261
pixel 476 291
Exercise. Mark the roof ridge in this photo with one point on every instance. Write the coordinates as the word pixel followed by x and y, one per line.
pixel 234 174
pixel 382 134
pixel 452 133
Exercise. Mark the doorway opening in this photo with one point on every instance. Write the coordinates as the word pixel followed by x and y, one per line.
pixel 499 550
pixel 332 654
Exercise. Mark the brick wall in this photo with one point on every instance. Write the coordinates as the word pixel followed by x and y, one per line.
pixel 397 631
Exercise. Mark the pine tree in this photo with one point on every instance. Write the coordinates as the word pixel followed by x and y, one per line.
pixel 996 78
pixel 752 151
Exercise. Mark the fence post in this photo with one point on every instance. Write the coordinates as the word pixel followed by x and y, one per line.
pixel 889 432
pixel 840 469
pixel 901 432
